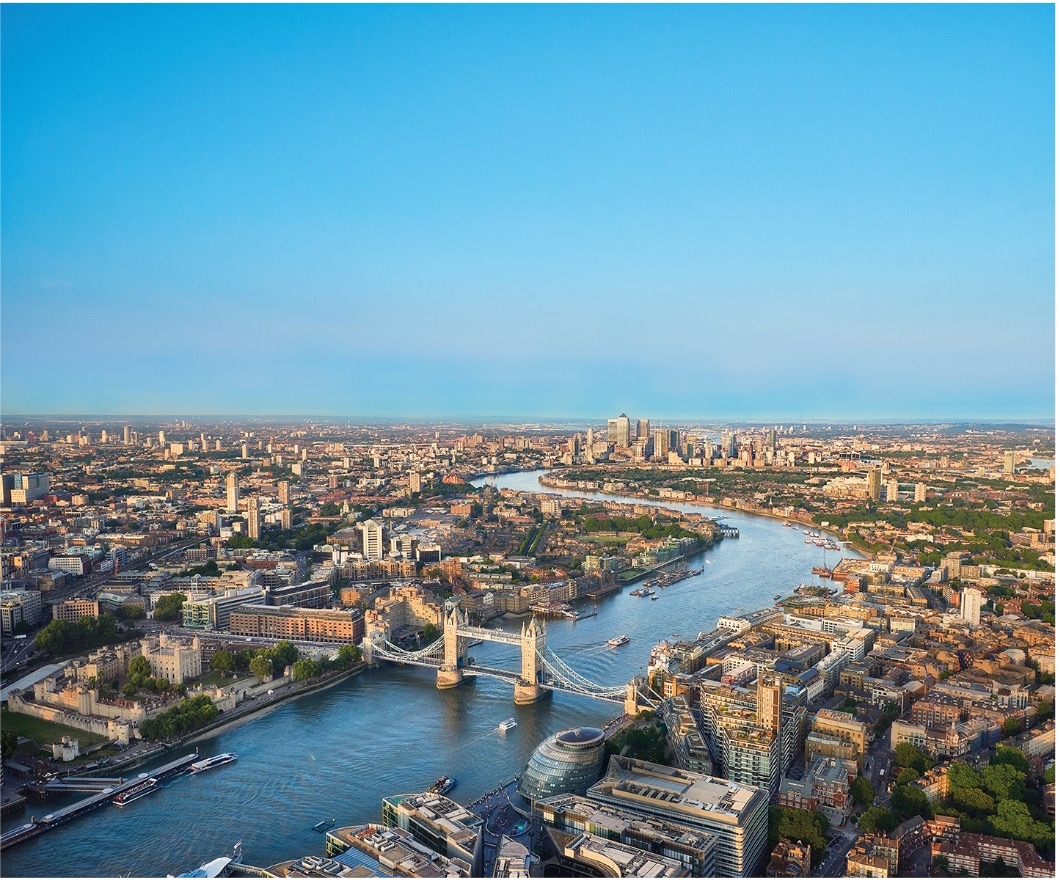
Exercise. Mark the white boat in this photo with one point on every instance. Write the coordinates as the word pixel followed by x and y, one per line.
pixel 210 763
pixel 618 641
pixel 507 725
pixel 143 789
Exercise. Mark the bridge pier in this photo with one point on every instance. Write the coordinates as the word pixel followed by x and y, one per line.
pixel 449 678
pixel 529 693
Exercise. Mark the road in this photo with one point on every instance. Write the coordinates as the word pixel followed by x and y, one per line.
pixel 835 860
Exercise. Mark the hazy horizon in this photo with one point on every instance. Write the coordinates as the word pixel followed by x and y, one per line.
pixel 809 210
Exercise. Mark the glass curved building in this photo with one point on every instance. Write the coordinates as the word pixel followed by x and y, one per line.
pixel 567 762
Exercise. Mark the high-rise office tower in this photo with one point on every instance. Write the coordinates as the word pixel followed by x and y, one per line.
pixel 162 438
pixel 643 429
pixel 232 485
pixel 660 443
pixel 618 431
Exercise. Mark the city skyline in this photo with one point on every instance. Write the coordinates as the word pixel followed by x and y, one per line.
pixel 811 212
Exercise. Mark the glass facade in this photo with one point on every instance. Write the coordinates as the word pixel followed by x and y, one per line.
pixel 566 763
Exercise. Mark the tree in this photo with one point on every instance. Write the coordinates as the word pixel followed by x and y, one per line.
pixel 1013 820
pixel 963 776
pixel 54 638
pixel 908 801
pixel 862 792
pixel 878 819
pixel 349 654
pixel 809 826
pixel 1008 755
pixel 909 774
pixel 1004 781
pixel 261 666
pixel 1045 709
pixel 1012 725
pixel 168 607
pixel 139 670
pixel 908 755
pixel 282 654
pixel 129 690
pixel 8 743
pixel 222 661
pixel 973 801
pixel 430 633
pixel 132 611
pixel 306 668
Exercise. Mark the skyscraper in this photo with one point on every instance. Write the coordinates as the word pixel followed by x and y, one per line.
pixel 126 432
pixel 643 429
pixel 1009 465
pixel 920 493
pixel 618 431
pixel 892 491
pixel 232 485
pixel 875 483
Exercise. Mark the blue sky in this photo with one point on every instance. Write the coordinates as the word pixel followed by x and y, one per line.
pixel 700 211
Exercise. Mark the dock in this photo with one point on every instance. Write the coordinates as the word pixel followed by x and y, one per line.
pixel 37 826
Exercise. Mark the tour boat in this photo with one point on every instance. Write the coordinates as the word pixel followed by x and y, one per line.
pixel 142 789
pixel 210 763
pixel 618 641
pixel 444 784
pixel 507 725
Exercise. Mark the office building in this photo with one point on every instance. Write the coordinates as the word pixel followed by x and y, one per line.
pixel 643 429
pixel 567 762
pixel 439 823
pixel 24 488
pixel 72 610
pixel 737 815
pixel 573 814
pixel 618 432
pixel 214 612
pixel 971 603
pixel 19 607
pixel 232 486
pixel 372 539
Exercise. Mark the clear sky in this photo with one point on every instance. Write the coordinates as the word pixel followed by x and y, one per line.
pixel 700 211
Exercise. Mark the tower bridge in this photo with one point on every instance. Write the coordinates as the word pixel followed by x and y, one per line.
pixel 541 669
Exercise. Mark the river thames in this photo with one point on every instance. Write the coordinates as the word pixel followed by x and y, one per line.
pixel 335 754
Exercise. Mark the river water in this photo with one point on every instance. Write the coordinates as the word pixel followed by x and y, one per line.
pixel 336 753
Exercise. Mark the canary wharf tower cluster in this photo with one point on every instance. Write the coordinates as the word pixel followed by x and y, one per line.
pixel 515 441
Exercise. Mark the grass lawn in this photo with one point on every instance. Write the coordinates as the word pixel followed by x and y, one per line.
pixel 45 732
pixel 609 539
pixel 213 677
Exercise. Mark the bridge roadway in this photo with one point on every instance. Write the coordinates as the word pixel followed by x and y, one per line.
pixel 489 635
pixel 510 675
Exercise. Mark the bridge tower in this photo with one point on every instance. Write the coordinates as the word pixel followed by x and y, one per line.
pixel 528 689
pixel 450 673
